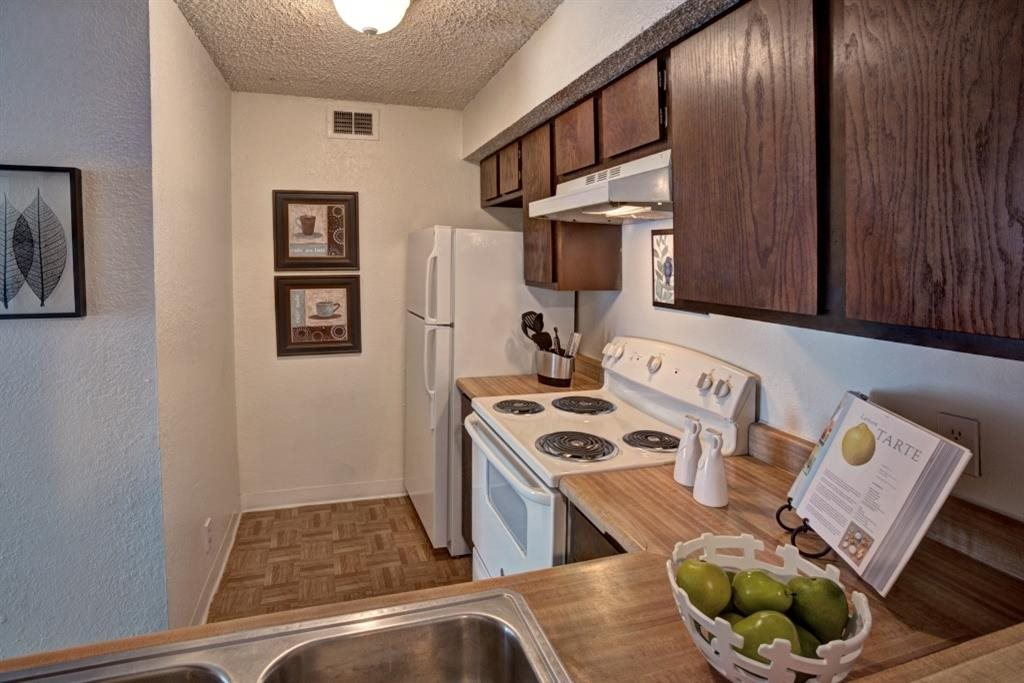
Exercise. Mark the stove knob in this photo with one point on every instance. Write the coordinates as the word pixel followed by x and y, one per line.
pixel 722 389
pixel 705 382
pixel 619 350
pixel 654 364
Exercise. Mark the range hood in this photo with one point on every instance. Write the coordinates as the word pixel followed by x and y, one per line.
pixel 635 190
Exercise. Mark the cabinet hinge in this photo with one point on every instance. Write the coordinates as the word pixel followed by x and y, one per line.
pixel 663 116
pixel 662 79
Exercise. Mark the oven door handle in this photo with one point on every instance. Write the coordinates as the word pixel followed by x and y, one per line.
pixel 496 455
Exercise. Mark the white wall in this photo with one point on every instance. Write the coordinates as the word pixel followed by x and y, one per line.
pixel 191 120
pixel 804 372
pixel 330 427
pixel 81 546
pixel 576 37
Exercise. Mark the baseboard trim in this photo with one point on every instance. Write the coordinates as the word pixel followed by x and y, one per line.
pixel 315 495
pixel 220 563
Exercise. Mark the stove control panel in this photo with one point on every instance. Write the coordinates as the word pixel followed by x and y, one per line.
pixel 681 374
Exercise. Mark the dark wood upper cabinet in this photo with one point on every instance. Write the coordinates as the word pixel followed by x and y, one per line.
pixel 741 98
pixel 489 178
pixel 566 256
pixel 508 168
pixel 538 234
pixel 933 96
pixel 575 138
pixel 631 111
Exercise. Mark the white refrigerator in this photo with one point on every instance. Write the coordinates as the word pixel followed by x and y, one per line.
pixel 464 296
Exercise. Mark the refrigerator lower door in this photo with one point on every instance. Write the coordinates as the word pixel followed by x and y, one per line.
pixel 428 380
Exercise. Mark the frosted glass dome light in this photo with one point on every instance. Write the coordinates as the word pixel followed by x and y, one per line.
pixel 372 16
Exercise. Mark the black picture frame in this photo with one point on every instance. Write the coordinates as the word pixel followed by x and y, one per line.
pixel 290 343
pixel 75 250
pixel 340 253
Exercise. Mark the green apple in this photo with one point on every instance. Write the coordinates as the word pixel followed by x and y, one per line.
pixel 820 605
pixel 808 642
pixel 764 627
pixel 732 617
pixel 706 585
pixel 754 590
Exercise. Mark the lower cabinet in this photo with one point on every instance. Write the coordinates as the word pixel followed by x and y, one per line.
pixel 584 541
pixel 467 473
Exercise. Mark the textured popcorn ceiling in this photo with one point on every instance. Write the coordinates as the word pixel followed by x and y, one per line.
pixel 441 54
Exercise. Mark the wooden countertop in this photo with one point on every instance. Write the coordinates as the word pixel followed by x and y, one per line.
pixel 942 598
pixel 508 385
pixel 602 617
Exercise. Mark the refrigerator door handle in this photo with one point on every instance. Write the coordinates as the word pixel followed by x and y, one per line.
pixel 429 333
pixel 430 304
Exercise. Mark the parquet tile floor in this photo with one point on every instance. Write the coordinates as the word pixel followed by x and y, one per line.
pixel 317 554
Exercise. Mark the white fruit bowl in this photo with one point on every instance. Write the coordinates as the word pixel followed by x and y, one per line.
pixel 716 639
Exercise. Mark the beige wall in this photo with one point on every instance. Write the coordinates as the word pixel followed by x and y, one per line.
pixel 805 372
pixel 330 427
pixel 191 119
pixel 577 36
pixel 81 546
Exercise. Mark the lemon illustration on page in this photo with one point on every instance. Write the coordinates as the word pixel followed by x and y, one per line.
pixel 858 445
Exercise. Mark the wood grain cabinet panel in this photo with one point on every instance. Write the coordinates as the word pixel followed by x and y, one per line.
pixel 575 138
pixel 631 111
pixel 489 178
pixel 741 95
pixel 508 168
pixel 934 163
pixel 588 256
pixel 538 233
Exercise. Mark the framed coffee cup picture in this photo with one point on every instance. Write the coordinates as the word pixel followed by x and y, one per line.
pixel 317 314
pixel 316 230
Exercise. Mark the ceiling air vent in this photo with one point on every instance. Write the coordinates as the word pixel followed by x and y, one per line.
pixel 353 125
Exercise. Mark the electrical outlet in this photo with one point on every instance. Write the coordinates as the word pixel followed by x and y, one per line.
pixel 965 431
pixel 207 535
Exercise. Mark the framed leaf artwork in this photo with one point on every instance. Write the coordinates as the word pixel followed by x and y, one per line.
pixel 663 264
pixel 42 261
pixel 317 314
pixel 316 230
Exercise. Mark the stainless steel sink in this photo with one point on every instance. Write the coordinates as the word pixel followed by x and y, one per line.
pixel 178 674
pixel 489 636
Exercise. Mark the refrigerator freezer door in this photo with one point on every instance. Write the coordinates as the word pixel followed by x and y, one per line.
pixel 428 378
pixel 428 274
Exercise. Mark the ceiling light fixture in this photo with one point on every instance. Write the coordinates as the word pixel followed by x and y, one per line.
pixel 372 16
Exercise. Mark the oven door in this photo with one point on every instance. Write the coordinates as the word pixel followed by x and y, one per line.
pixel 518 522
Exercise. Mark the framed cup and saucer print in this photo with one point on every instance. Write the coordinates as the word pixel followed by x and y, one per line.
pixel 316 230
pixel 316 314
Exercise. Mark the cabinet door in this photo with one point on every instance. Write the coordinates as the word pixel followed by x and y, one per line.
pixel 741 95
pixel 538 233
pixel 631 111
pixel 575 138
pixel 934 163
pixel 489 178
pixel 588 256
pixel 508 168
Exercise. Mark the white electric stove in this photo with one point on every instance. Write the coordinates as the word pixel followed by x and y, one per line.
pixel 523 445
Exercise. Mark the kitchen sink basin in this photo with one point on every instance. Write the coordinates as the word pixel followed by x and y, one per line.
pixel 464 648
pixel 178 674
pixel 486 637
